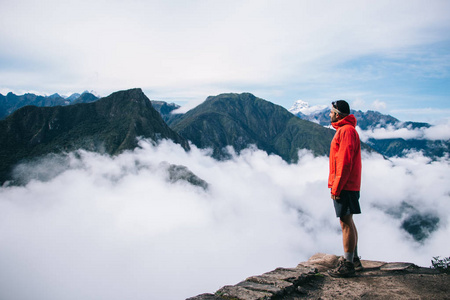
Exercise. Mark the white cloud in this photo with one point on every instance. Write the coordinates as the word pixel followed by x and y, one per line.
pixel 188 106
pixel 358 104
pixel 440 131
pixel 390 132
pixel 379 105
pixel 115 228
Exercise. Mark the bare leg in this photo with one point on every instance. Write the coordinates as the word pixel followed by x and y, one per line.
pixel 349 233
pixel 356 232
pixel 346 268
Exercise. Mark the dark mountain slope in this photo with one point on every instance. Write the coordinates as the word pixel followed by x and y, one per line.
pixel 109 125
pixel 240 120
pixel 400 147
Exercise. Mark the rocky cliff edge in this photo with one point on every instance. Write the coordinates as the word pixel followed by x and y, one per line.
pixel 310 280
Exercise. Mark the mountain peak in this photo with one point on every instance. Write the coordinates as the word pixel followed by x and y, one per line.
pixel 241 120
pixel 302 107
pixel 73 97
pixel 91 92
pixel 298 106
pixel 55 95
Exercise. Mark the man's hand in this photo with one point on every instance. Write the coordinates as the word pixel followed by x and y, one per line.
pixel 334 197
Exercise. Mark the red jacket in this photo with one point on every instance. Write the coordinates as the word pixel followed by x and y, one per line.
pixel 345 157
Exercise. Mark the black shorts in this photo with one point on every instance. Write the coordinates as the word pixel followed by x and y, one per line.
pixel 348 204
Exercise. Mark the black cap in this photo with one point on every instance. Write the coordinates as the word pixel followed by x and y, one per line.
pixel 342 106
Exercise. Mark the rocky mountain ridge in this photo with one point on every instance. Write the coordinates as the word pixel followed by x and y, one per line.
pixel 114 123
pixel 366 120
pixel 237 120
pixel 373 121
pixel 309 280
pixel 11 102
pixel 110 125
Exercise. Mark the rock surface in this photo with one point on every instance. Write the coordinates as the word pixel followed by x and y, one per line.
pixel 310 280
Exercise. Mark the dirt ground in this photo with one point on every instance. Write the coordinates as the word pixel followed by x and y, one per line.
pixel 374 283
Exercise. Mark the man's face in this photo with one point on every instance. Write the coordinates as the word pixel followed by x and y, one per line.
pixel 333 116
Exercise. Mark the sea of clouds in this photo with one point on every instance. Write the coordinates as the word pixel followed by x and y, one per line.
pixel 91 226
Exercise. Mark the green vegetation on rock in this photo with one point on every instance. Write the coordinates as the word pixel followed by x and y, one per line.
pixel 241 120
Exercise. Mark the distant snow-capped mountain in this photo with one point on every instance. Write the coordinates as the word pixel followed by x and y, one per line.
pixel 303 107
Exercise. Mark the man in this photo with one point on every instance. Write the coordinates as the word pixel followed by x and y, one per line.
pixel 344 181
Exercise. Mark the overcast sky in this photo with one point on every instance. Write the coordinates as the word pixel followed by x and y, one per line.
pixel 392 56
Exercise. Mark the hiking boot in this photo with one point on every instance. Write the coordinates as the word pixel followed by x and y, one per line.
pixel 357 264
pixel 344 269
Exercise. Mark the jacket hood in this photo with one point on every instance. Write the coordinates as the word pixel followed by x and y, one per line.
pixel 348 120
